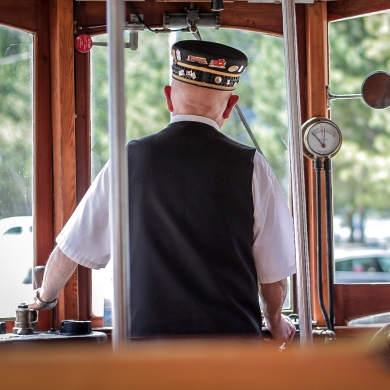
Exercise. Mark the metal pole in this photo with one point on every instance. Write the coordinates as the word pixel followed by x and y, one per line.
pixel 296 166
pixel 240 115
pixel 119 208
pixel 237 109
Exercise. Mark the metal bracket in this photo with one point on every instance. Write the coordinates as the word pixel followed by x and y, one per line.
pixel 330 97
pixel 191 19
pixel 134 26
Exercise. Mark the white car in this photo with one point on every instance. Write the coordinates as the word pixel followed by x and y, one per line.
pixel 16 263
pixel 15 226
pixel 364 265
pixel 16 248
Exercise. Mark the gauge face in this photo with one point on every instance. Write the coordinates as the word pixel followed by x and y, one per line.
pixel 322 138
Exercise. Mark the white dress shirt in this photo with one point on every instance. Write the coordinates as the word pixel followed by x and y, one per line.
pixel 86 237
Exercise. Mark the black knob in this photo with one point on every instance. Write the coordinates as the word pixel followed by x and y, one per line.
pixel 74 328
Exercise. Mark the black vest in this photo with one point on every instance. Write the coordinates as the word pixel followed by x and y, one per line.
pixel 191 234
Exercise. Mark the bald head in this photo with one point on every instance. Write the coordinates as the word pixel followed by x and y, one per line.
pixel 183 98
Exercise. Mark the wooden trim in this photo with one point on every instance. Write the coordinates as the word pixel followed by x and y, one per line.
pixel 43 150
pixel 64 158
pixel 83 165
pixel 343 9
pixel 266 18
pixel 356 331
pixel 85 294
pixel 82 123
pixel 300 11
pixel 33 16
pixel 21 14
pixel 357 300
pixel 317 79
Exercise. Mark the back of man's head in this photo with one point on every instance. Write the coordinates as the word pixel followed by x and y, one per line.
pixel 208 64
pixel 205 75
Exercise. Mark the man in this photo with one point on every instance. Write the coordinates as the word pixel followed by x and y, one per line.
pixel 209 227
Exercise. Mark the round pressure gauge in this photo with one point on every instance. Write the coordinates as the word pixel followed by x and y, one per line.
pixel 321 138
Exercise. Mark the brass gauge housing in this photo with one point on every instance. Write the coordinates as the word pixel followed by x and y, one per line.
pixel 321 138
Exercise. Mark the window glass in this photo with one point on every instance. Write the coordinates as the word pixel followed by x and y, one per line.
pixel 384 263
pixel 361 169
pixel 364 265
pixel 16 126
pixel 344 265
pixel 14 230
pixel 262 91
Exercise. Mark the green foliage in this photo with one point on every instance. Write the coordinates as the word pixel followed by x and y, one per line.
pixel 146 74
pixel 357 46
pixel 16 123
pixel 361 169
pixel 261 89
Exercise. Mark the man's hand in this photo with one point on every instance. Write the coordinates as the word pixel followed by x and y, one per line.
pixel 40 305
pixel 34 306
pixel 58 270
pixel 272 298
pixel 282 330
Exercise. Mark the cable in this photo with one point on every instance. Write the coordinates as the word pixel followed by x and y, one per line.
pixel 96 26
pixel 329 235
pixel 139 17
pixel 318 169
pixel 75 10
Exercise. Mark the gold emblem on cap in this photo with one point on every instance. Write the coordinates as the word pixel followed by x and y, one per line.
pixel 233 68
pixel 218 80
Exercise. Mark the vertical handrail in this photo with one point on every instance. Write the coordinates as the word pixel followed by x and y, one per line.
pixel 297 177
pixel 119 207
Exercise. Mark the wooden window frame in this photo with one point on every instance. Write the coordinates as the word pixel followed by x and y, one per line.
pixel 32 16
pixel 62 120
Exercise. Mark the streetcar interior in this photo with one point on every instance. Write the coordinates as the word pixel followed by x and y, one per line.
pixel 54 140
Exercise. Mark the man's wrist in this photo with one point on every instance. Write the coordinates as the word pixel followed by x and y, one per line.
pixel 274 321
pixel 42 304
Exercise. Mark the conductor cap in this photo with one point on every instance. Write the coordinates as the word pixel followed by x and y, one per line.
pixel 208 64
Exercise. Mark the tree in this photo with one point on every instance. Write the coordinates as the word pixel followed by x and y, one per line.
pixel 358 47
pixel 261 89
pixel 16 123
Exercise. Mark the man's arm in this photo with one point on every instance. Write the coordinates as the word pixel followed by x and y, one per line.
pixel 58 270
pixel 273 296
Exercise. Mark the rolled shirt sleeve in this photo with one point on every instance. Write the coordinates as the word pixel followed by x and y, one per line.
pixel 86 236
pixel 273 234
